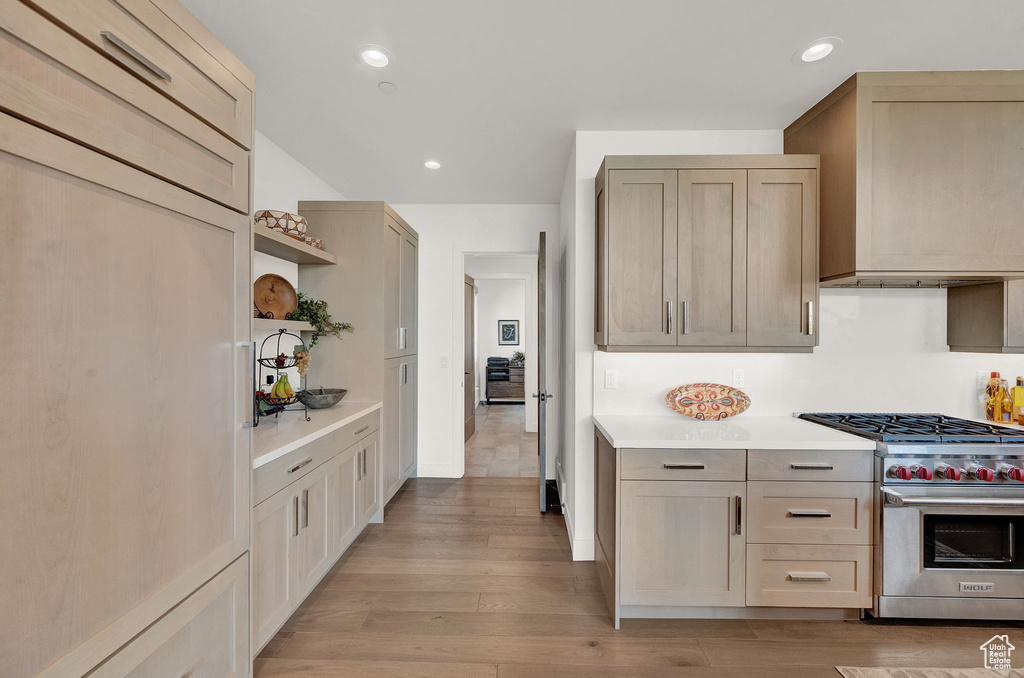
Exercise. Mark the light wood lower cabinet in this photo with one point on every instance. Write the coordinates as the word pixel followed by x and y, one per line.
pixel 685 533
pixel 206 636
pixel 301 531
pixel 398 434
pixel 682 543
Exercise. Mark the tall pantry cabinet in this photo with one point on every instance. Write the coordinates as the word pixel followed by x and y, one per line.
pixel 374 287
pixel 125 143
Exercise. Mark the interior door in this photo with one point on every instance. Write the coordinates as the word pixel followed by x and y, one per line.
pixel 712 244
pixel 542 394
pixel 469 360
pixel 642 257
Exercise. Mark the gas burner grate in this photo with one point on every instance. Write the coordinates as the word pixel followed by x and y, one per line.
pixel 915 428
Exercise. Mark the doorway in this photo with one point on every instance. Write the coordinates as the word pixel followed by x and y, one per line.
pixel 501 366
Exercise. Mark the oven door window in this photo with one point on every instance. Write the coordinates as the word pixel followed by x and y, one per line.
pixel 973 542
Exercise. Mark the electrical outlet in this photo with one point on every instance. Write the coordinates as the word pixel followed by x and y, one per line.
pixel 444 361
pixel 983 377
pixel 739 378
pixel 611 379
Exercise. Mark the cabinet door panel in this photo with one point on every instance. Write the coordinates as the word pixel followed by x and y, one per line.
pixel 408 416
pixel 680 544
pixel 391 428
pixel 344 499
pixel 369 484
pixel 407 302
pixel 782 258
pixel 106 491
pixel 712 276
pixel 274 554
pixel 641 276
pixel 393 244
pixel 315 558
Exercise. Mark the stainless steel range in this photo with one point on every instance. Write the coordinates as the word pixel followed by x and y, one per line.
pixel 950 532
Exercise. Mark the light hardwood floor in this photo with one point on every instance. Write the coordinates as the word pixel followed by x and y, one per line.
pixel 501 447
pixel 465 579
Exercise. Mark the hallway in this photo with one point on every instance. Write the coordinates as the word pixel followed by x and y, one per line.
pixel 465 579
pixel 501 447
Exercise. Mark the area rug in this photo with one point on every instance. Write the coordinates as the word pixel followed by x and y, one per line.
pixel 855 672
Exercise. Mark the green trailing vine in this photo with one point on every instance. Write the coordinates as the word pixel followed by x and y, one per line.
pixel 314 312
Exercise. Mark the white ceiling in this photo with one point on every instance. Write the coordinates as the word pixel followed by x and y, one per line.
pixel 494 90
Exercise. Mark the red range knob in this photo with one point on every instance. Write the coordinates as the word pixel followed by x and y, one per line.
pixel 1013 473
pixel 921 472
pixel 983 473
pixel 950 472
pixel 901 472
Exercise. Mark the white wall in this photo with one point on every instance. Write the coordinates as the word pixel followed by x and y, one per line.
pixel 279 182
pixel 447 234
pixel 494 274
pixel 499 300
pixel 881 351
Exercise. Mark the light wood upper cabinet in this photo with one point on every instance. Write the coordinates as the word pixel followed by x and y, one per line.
pixel 986 318
pixel 782 257
pixel 700 253
pixel 711 257
pixel 641 250
pixel 920 176
pixel 407 297
pixel 690 535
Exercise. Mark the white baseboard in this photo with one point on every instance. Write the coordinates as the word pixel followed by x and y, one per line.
pixel 582 549
pixel 434 471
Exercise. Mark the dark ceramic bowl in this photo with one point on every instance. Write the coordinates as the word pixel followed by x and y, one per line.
pixel 322 398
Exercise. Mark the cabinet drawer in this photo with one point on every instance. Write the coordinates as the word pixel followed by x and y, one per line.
pixel 847 465
pixel 643 464
pixel 785 575
pixel 147 43
pixel 278 474
pixel 809 513
pixel 206 636
pixel 64 85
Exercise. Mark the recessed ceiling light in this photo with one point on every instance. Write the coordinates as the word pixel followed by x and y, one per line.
pixel 432 164
pixel 819 49
pixel 387 87
pixel 374 55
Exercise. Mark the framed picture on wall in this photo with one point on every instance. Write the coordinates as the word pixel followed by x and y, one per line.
pixel 508 332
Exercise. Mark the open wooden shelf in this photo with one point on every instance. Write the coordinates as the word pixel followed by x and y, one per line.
pixel 271 325
pixel 283 247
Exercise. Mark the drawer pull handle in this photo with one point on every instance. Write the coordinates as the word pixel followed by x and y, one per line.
pixel 809 514
pixel 135 54
pixel 808 576
pixel 361 429
pixel 684 467
pixel 307 460
pixel 812 467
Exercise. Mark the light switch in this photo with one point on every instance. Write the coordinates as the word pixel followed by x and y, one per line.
pixel 444 361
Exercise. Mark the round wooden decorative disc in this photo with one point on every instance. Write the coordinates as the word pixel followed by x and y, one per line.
pixel 274 296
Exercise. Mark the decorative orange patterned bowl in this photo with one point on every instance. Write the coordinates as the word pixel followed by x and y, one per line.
pixel 708 401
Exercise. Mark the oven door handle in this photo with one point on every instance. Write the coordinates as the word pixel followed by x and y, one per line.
pixel 894 498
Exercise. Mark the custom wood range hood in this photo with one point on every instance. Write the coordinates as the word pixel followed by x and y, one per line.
pixel 921 178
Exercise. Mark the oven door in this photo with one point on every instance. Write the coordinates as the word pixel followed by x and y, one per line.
pixel 953 542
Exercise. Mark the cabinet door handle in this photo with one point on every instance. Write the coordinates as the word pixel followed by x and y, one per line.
pixel 405 373
pixel 739 514
pixel 671 316
pixel 686 317
pixel 250 389
pixel 304 462
pixel 136 55
pixel 810 317
pixel 305 508
pixel 808 576
pixel 295 499
pixel 797 513
pixel 364 462
pixel 812 467
pixel 360 430
pixel 684 467
pixel 403 337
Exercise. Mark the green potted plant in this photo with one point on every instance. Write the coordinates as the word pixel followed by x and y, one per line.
pixel 314 312
pixel 518 359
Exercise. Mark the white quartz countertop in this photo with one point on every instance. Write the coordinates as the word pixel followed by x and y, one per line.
pixel 742 432
pixel 276 437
